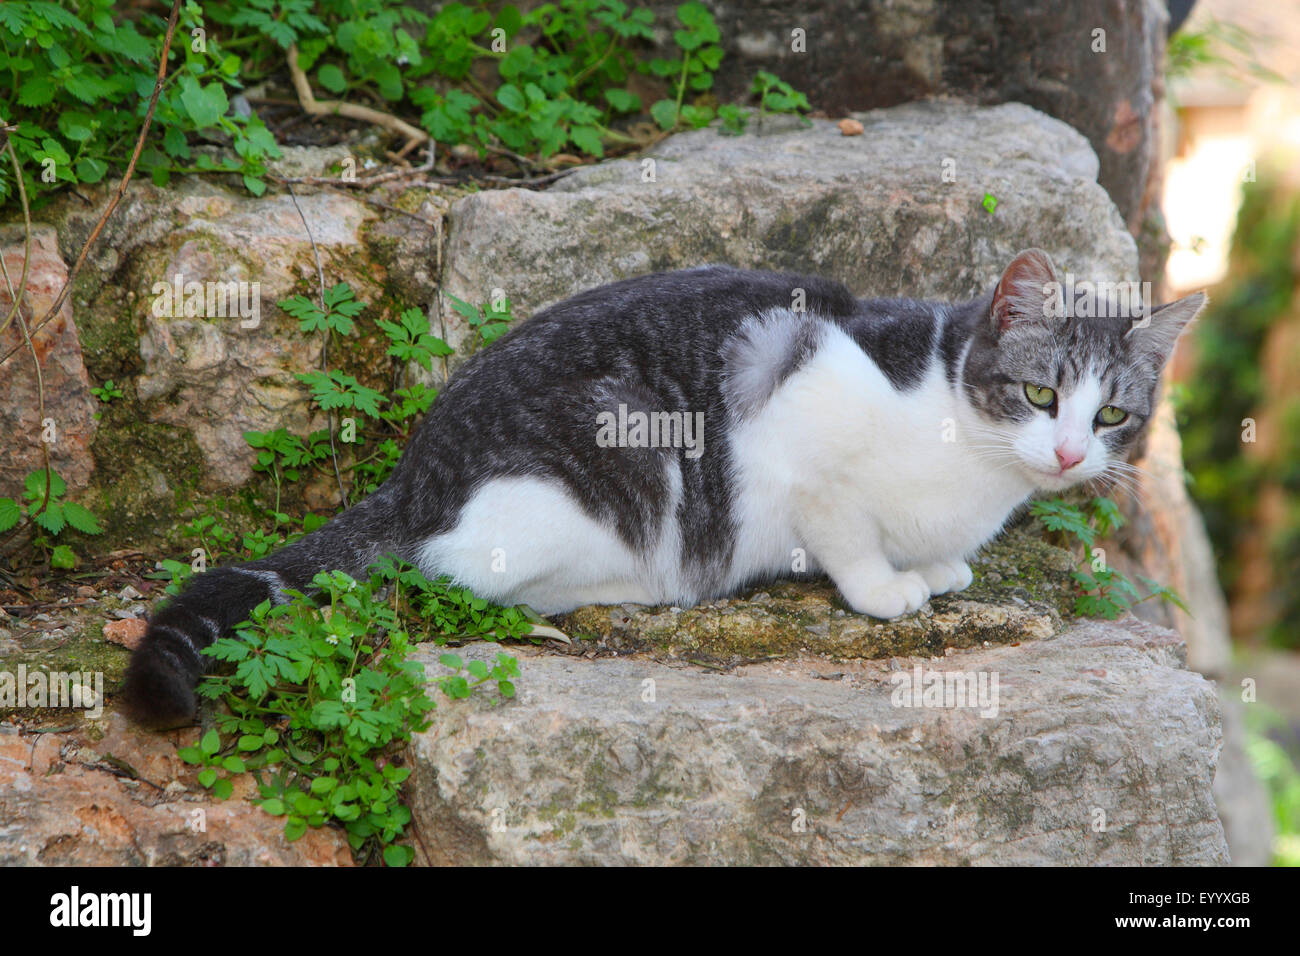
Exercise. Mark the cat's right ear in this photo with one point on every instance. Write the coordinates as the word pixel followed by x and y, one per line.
pixel 1029 291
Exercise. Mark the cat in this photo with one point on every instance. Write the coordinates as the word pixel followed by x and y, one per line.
pixel 671 438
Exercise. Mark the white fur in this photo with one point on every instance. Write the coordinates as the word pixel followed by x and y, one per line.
pixel 837 462
pixel 527 541
pixel 841 463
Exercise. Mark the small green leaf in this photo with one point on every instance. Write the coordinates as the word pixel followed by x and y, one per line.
pixel 80 518
pixel 10 514
pixel 665 114
pixel 331 77
pixel 397 855
pixel 508 95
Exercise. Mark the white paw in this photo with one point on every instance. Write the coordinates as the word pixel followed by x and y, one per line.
pixel 944 576
pixel 902 593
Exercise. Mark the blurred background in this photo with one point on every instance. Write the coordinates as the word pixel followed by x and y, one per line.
pixel 1230 143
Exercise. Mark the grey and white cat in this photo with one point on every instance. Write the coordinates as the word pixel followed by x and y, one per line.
pixel 884 439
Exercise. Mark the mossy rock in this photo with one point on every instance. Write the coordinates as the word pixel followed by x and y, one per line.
pixel 1022 591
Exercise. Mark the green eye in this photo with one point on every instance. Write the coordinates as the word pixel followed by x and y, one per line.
pixel 1110 415
pixel 1040 395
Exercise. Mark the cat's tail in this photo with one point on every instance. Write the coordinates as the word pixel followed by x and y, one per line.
pixel 164 669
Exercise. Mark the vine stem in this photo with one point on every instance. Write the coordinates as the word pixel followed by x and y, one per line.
pixel 325 348
pixel 16 312
pixel 121 186
pixel 307 99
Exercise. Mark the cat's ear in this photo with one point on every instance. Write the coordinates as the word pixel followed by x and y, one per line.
pixel 1155 335
pixel 1029 291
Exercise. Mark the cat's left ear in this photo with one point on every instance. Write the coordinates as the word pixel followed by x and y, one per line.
pixel 1156 335
pixel 1029 292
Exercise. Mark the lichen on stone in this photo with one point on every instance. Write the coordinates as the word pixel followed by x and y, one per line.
pixel 1022 591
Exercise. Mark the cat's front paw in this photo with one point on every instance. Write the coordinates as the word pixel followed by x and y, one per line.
pixel 942 577
pixel 899 594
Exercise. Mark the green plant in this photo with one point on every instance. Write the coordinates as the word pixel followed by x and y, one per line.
pixel 107 392
pixel 774 96
pixel 527 84
pixel 697 39
pixel 374 454
pixel 465 678
pixel 1229 391
pixel 41 504
pixel 206 754
pixel 1280 775
pixel 321 696
pixel 76 73
pixel 488 320
pixel 411 341
pixel 1222 47
pixel 1103 591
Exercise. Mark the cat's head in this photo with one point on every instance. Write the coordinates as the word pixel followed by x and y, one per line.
pixel 1061 376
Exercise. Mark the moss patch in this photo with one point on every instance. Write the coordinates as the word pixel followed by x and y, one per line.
pixel 1021 591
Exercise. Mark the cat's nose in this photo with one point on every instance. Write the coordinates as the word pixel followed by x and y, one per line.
pixel 1068 457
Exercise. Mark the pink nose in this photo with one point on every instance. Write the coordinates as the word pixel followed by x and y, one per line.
pixel 1067 457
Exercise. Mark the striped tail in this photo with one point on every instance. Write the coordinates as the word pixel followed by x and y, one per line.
pixel 166 667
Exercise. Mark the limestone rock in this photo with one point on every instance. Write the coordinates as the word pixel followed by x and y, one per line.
pixel 70 799
pixel 69 406
pixel 896 211
pixel 1097 73
pixel 1101 750
pixel 209 373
